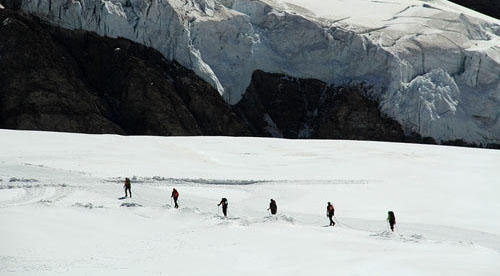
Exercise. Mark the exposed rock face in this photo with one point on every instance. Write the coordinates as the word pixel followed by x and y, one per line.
pixel 276 105
pixel 61 80
pixel 347 114
pixel 488 7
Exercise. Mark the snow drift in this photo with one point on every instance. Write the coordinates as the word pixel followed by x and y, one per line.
pixel 434 66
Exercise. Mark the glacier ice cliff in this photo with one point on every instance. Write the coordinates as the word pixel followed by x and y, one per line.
pixel 433 68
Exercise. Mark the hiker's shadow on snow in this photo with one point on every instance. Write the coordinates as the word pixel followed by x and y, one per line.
pixel 226 220
pixel 386 235
pixel 279 218
pixel 130 204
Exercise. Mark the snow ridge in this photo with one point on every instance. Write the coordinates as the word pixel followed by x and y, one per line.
pixel 434 70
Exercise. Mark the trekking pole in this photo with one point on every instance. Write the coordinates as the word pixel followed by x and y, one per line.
pixel 397 229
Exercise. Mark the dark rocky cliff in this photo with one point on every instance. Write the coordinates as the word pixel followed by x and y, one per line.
pixel 277 105
pixel 488 7
pixel 76 81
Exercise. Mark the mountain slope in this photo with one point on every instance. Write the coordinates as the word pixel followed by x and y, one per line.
pixel 434 66
pixel 81 82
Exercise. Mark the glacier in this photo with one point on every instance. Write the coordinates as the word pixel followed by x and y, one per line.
pixel 432 65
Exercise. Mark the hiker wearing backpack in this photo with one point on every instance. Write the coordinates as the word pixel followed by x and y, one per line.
pixel 273 207
pixel 175 196
pixel 127 186
pixel 391 219
pixel 330 212
pixel 224 204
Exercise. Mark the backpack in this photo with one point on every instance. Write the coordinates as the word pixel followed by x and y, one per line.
pixel 176 194
pixel 273 204
pixel 392 218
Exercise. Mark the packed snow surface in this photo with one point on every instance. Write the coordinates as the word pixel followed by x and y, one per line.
pixel 63 213
pixel 433 65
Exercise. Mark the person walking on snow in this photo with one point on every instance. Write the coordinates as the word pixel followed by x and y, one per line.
pixel 391 219
pixel 330 212
pixel 224 203
pixel 273 207
pixel 175 196
pixel 126 186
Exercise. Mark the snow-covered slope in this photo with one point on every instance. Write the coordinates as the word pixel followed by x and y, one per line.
pixel 435 66
pixel 61 215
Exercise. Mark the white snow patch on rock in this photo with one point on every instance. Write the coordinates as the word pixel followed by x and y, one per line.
pixel 271 127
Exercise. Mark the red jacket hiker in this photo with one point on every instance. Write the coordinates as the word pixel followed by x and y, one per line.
pixel 175 195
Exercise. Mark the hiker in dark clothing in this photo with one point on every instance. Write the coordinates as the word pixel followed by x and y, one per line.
pixel 175 196
pixel 126 186
pixel 330 212
pixel 224 203
pixel 273 207
pixel 391 219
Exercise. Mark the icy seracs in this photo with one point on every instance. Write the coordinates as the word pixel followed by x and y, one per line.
pixel 434 66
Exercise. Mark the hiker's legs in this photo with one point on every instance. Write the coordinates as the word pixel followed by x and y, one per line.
pixel 224 210
pixel 175 201
pixel 331 220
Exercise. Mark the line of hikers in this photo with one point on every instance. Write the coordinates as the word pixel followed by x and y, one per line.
pixel 273 207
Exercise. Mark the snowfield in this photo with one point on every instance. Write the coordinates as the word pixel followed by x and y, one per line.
pixel 433 65
pixel 61 213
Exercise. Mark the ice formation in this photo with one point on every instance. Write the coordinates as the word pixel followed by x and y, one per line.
pixel 434 66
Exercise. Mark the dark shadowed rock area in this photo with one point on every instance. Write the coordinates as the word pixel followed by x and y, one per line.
pixel 76 81
pixel 488 7
pixel 277 105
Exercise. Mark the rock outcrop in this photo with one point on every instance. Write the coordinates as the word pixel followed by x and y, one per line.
pixel 488 7
pixel 281 106
pixel 76 81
